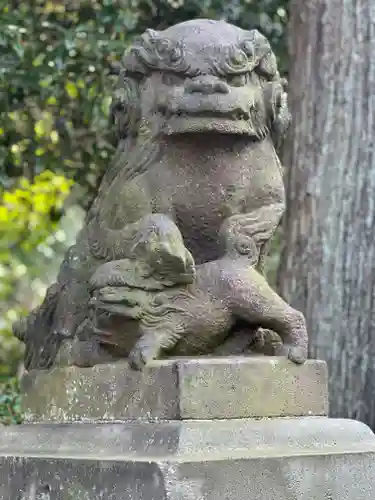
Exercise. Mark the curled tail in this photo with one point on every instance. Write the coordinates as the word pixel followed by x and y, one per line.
pixel 34 330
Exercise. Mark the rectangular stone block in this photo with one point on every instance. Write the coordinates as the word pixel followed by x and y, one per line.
pixel 242 387
pixel 185 388
pixel 103 393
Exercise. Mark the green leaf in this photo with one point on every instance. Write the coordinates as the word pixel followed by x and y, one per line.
pixel 38 61
pixel 39 128
pixel 71 89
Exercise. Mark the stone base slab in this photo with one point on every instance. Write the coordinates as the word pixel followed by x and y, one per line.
pixel 177 389
pixel 278 459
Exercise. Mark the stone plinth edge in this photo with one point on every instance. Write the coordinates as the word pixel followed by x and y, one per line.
pixel 309 458
pixel 178 389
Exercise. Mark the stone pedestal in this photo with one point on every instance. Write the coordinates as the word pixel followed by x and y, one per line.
pixel 187 429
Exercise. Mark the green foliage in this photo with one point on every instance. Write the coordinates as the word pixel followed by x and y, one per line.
pixel 10 410
pixel 25 212
pixel 26 224
pixel 54 86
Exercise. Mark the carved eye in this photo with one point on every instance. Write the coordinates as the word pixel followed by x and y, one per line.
pixel 170 79
pixel 238 80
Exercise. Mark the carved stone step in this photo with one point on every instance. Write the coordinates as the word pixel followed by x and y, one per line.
pixel 309 458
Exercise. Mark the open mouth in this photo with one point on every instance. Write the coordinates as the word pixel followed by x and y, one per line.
pixel 207 122
pixel 185 278
pixel 234 115
pixel 204 119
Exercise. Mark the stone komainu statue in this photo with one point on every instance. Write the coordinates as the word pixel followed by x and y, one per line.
pixel 170 258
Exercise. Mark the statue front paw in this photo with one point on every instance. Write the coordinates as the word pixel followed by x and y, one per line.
pixel 142 354
pixel 296 354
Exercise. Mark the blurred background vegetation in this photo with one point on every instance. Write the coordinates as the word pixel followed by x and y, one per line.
pixel 58 63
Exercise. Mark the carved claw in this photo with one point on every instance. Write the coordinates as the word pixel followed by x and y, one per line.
pixel 142 354
pixel 296 354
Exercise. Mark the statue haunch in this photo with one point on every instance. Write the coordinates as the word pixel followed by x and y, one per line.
pixel 170 258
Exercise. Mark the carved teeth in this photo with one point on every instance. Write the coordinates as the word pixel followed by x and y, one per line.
pixel 233 115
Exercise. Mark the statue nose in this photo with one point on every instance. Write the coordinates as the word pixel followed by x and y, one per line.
pixel 206 85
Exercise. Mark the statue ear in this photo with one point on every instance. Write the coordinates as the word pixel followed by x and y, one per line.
pixel 125 111
pixel 151 34
pixel 276 104
pixel 274 96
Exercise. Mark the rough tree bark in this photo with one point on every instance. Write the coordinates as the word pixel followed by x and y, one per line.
pixel 327 265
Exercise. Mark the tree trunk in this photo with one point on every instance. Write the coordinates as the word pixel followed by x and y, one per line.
pixel 327 265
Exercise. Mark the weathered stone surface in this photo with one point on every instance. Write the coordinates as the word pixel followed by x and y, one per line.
pixel 308 458
pixel 186 440
pixel 205 388
pixel 241 387
pixel 171 257
pixel 102 393
pixel 199 447
pixel 317 477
